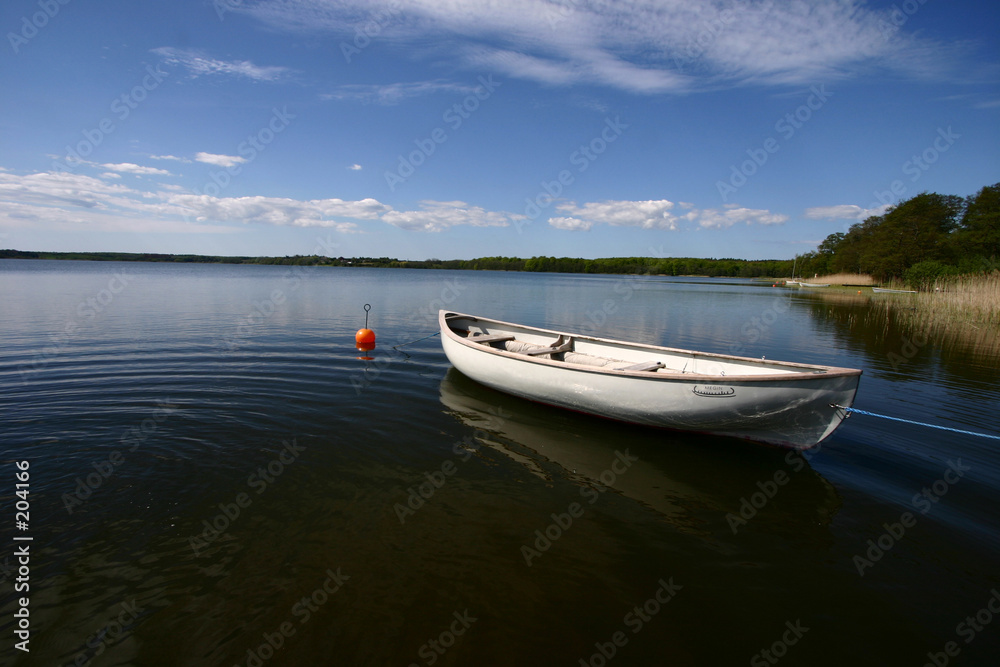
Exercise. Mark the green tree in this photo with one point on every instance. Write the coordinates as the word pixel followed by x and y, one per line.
pixel 847 256
pixel 979 230
pixel 913 231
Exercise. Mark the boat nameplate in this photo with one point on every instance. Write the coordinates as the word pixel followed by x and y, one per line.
pixel 713 390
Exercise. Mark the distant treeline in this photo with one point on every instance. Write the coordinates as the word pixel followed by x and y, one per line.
pixel 160 257
pixel 673 266
pixel 917 240
pixel 129 257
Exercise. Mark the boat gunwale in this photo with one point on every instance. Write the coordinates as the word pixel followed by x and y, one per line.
pixel 827 371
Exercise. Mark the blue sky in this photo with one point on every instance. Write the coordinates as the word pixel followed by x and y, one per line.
pixel 460 129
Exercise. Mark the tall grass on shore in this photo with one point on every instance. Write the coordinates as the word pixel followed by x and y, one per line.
pixel 972 299
pixel 844 279
pixel 959 312
pixel 962 317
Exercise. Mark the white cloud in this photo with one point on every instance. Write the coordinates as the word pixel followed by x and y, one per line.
pixel 50 197
pixel 436 216
pixel 393 93
pixel 46 197
pixel 121 168
pixel 278 211
pixel 571 224
pixel 643 46
pixel 646 214
pixel 355 167
pixel 131 168
pixel 219 160
pixel 199 64
pixel 843 212
pixel 524 66
pixel 655 214
pixel 32 216
pixel 66 201
pixel 717 219
pixel 60 189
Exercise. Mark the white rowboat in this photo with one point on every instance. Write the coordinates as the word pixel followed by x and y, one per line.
pixel 776 402
pixel 884 290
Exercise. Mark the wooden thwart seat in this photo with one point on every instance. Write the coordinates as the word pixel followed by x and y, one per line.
pixel 492 338
pixel 644 366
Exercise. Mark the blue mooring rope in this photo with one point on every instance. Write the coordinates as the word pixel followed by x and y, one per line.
pixel 910 421
pixel 436 333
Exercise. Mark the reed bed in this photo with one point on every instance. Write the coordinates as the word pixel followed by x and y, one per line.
pixel 972 298
pixel 959 312
pixel 843 279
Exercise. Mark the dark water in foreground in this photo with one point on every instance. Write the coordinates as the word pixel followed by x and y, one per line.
pixel 216 478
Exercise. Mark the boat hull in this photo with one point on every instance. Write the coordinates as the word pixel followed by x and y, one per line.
pixel 774 402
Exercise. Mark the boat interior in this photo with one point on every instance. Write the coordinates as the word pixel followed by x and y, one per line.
pixel 615 356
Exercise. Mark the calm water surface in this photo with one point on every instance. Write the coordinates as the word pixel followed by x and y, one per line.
pixel 217 478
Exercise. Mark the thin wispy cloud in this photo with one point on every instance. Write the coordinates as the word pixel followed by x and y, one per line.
pixel 637 45
pixel 278 211
pixel 436 216
pixel 199 64
pixel 169 157
pixel 16 215
pixel 60 190
pixel 843 212
pixel 132 168
pixel 116 169
pixel 393 93
pixel 727 217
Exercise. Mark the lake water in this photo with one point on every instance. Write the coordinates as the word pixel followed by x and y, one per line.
pixel 218 477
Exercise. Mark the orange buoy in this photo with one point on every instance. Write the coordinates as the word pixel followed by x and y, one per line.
pixel 365 338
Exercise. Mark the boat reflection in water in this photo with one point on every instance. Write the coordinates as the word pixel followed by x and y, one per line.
pixel 698 483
